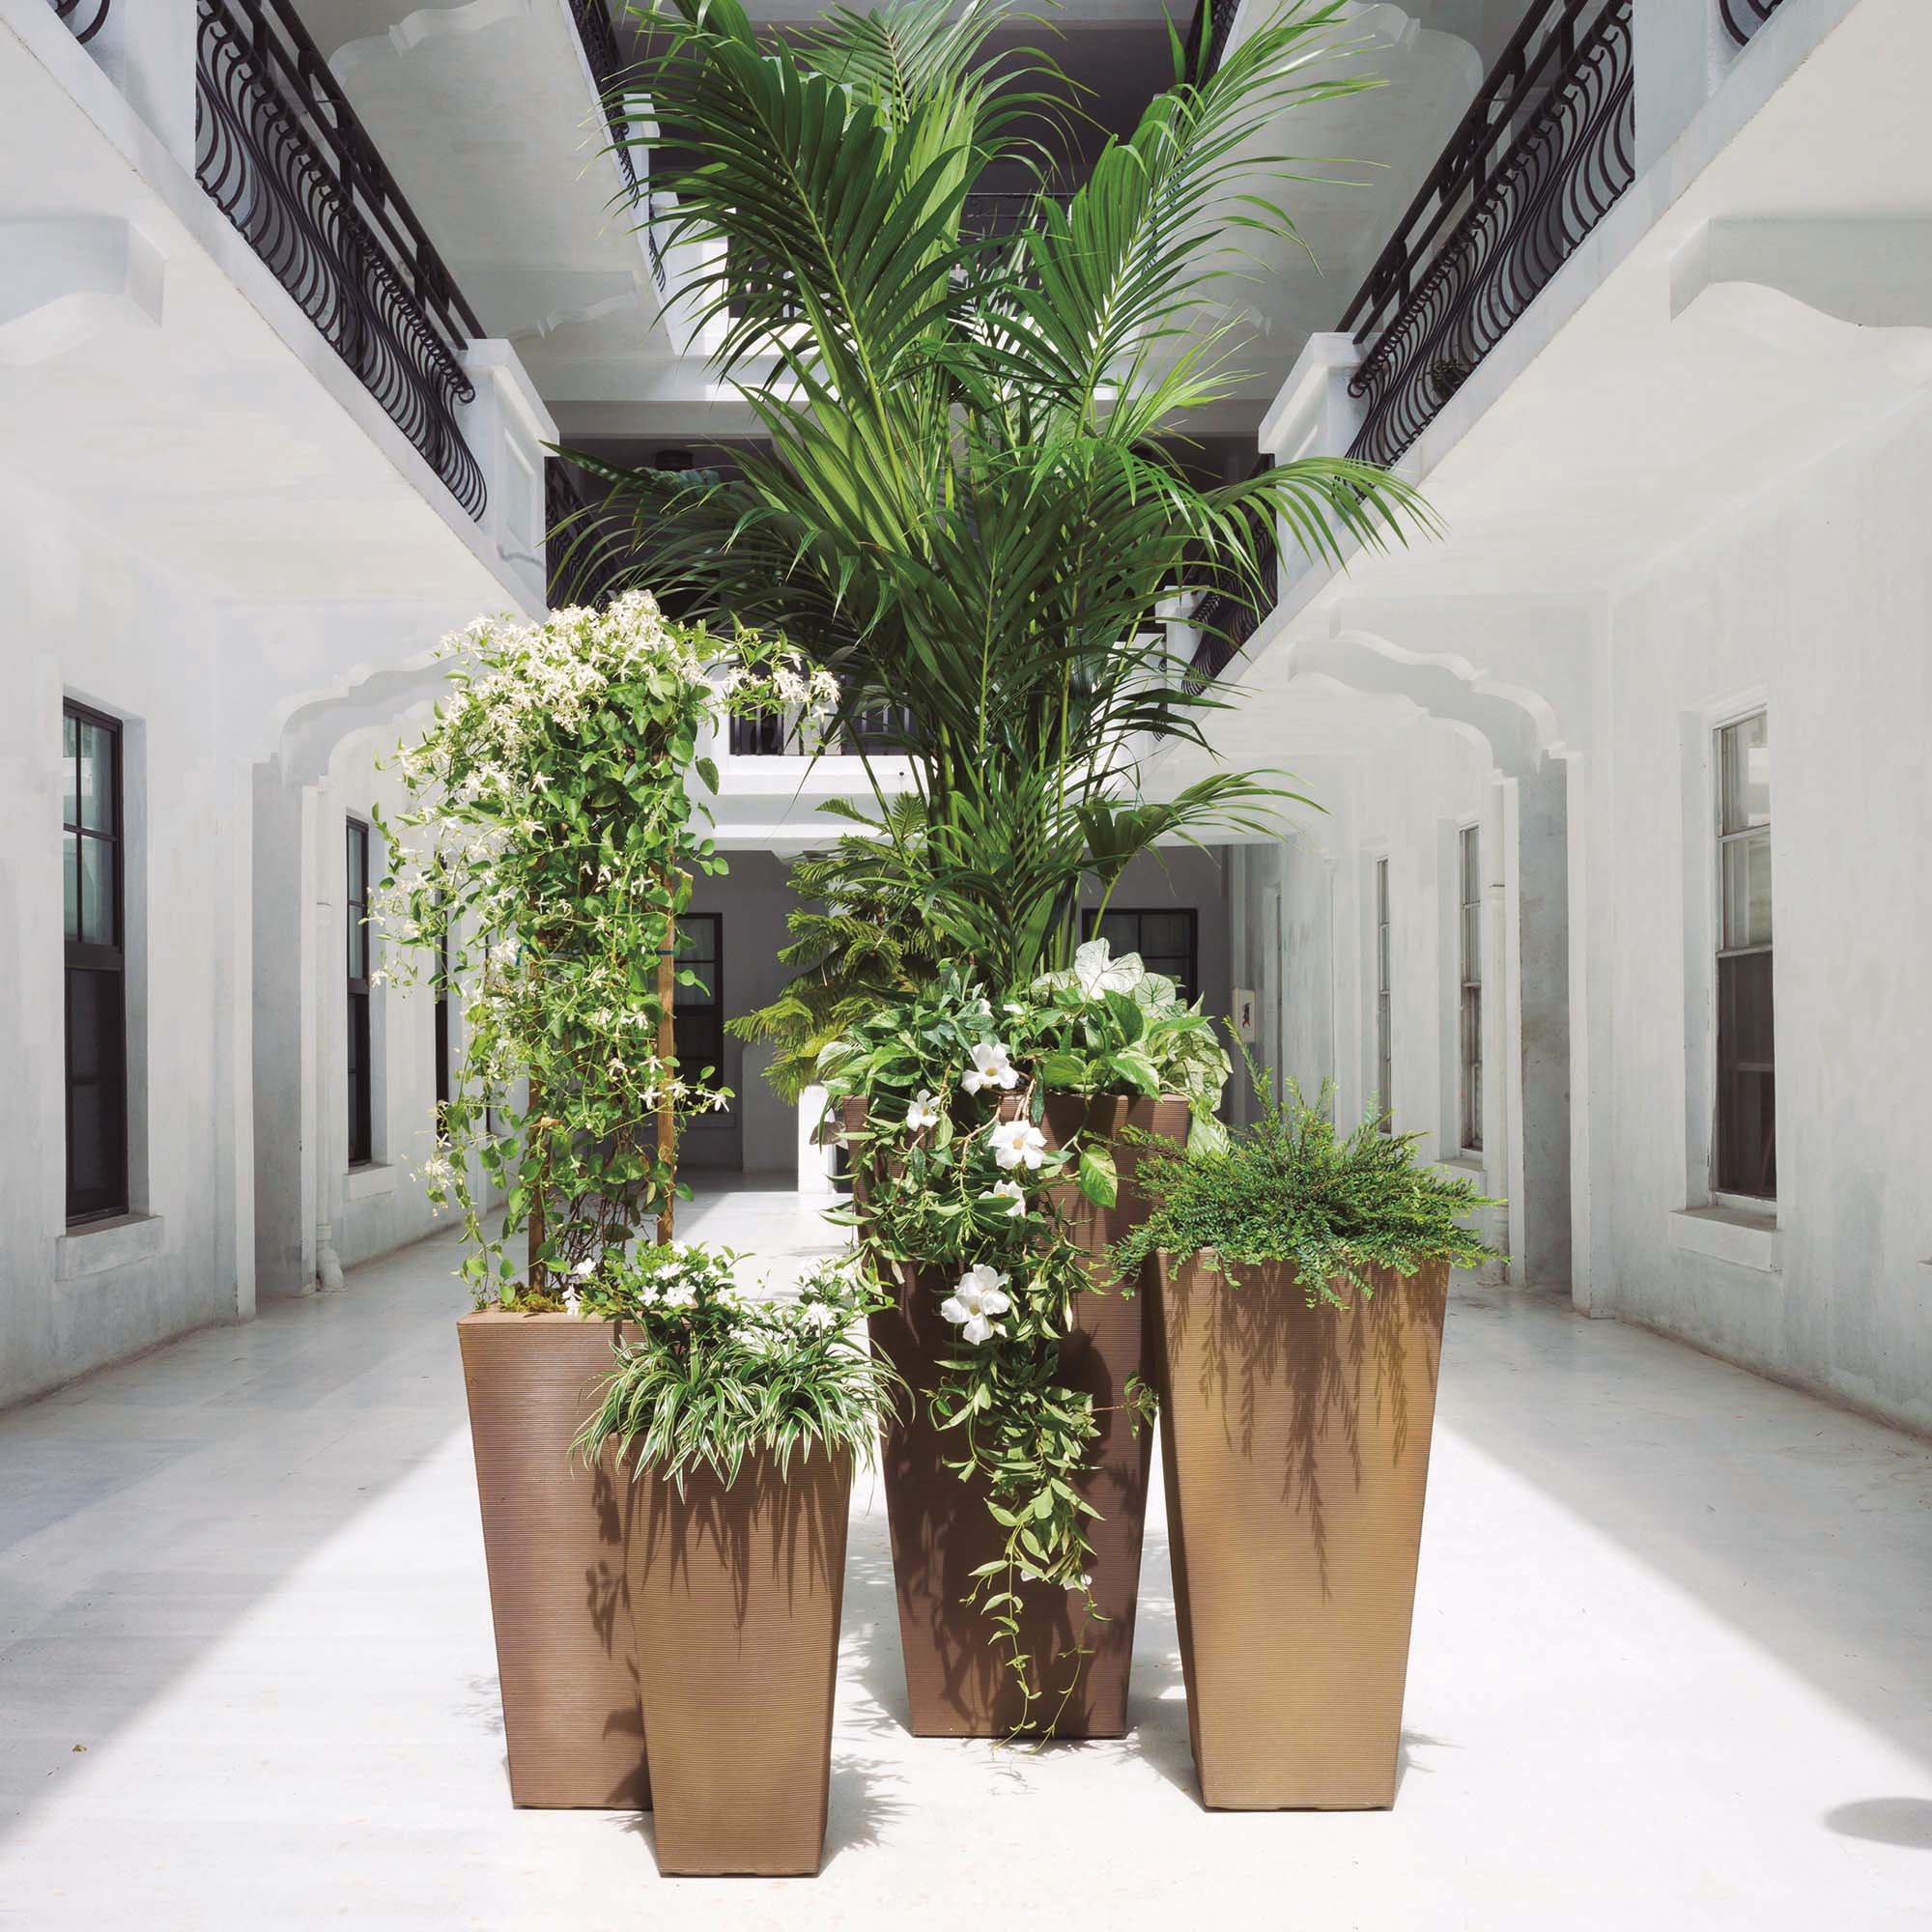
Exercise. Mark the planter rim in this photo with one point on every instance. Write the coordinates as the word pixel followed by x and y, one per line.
pixel 554 1317
pixel 1173 1261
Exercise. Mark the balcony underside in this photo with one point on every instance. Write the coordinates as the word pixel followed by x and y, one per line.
pixel 156 379
pixel 489 117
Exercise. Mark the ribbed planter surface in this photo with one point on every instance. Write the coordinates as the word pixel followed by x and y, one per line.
pixel 735 1599
pixel 554 1536
pixel 1295 1447
pixel 956 1683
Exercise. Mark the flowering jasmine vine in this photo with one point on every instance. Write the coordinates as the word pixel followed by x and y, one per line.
pixel 548 847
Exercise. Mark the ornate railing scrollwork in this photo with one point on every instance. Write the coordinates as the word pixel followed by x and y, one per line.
pixel 86 18
pixel 609 67
pixel 282 155
pixel 1213 22
pixel 1545 149
pixel 1744 18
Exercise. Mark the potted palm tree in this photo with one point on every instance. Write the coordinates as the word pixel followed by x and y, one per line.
pixel 974 503
pixel 1300 1285
pixel 737 1423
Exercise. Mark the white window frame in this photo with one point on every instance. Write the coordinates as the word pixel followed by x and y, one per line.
pixel 1703 933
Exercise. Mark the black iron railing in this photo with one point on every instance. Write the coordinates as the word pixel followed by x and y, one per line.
pixel 877 730
pixel 579 556
pixel 993 215
pixel 86 18
pixel 280 151
pixel 1744 18
pixel 609 70
pixel 1213 22
pixel 1227 618
pixel 1539 160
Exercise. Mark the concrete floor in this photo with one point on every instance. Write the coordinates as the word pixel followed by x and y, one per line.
pixel 1671 1669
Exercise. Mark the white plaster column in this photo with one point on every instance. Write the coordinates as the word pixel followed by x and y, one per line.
pixel 1539 916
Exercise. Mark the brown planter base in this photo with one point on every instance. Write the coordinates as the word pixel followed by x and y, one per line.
pixel 554 1536
pixel 1294 1445
pixel 958 1682
pixel 735 1597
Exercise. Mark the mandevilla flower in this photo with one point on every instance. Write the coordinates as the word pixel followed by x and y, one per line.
pixel 1018 1144
pixel 921 1114
pixel 1012 1194
pixel 981 1294
pixel 992 1067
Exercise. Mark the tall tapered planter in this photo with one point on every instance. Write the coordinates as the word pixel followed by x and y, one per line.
pixel 735 1595
pixel 1295 1447
pixel 956 1683
pixel 554 1537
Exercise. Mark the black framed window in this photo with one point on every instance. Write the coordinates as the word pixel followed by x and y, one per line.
pixel 1166 937
pixel 361 1135
pixel 95 999
pixel 445 994
pixel 698 1012
pixel 1469 949
pixel 1747 1125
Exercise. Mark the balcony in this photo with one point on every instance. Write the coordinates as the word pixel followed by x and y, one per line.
pixel 1543 155
pixel 283 155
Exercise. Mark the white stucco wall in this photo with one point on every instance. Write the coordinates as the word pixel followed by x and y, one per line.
pixel 86 620
pixel 1304 942
pixel 1817 603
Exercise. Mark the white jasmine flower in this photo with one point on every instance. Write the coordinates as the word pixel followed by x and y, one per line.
pixel 921 1114
pixel 1019 1144
pixel 992 1067
pixel 1011 1192
pixel 981 1294
pixel 585 1268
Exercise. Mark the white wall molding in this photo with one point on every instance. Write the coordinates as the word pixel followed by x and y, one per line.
pixel 65 281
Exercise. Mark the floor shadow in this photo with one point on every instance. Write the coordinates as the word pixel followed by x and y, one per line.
pixel 1798 1523
pixel 146 1510
pixel 1886 1821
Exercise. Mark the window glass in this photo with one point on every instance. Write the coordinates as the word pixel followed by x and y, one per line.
pixel 1745 1151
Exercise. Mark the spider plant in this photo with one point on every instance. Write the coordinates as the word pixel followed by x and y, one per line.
pixel 975 494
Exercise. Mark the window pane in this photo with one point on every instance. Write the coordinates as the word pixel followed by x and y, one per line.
pixel 1748 890
pixel 71 894
pixel 1171 934
pixel 1746 775
pixel 97 778
pixel 1382 958
pixel 1472 947
pixel 358 863
pixel 1383 890
pixel 96 891
pixel 70 758
pixel 1746 1077
pixel 359 944
pixel 1472 871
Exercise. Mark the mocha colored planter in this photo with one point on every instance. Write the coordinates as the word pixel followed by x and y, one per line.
pixel 956 1681
pixel 1295 1447
pixel 735 1598
pixel 554 1536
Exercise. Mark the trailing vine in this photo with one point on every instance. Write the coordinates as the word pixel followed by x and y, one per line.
pixel 958 1196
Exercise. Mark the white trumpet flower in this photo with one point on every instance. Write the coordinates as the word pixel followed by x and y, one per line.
pixel 1018 1144
pixel 981 1294
pixel 992 1067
